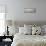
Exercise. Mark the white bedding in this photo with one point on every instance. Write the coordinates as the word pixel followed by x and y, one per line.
pixel 29 40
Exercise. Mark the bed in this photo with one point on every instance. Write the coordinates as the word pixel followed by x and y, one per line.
pixel 24 38
pixel 29 40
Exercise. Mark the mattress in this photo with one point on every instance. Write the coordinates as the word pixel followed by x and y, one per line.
pixel 28 40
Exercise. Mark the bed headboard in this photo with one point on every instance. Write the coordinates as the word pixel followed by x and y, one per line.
pixel 21 23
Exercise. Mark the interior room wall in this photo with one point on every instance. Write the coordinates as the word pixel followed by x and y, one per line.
pixel 15 10
pixel 18 10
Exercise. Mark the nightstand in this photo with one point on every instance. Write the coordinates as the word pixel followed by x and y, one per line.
pixel 7 40
pixel 7 43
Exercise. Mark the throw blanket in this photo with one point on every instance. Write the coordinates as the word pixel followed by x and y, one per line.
pixel 29 40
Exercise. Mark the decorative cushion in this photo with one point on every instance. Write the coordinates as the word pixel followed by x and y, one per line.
pixel 28 28
pixel 33 30
pixel 44 29
pixel 36 30
pixel 21 30
pixel 44 26
pixel 13 30
pixel 24 30
pixel 28 31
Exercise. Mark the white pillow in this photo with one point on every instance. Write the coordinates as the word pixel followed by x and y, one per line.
pixel 28 28
pixel 36 30
pixel 13 30
pixel 24 30
pixel 44 27
pixel 33 30
pixel 21 30
pixel 28 31
pixel 42 30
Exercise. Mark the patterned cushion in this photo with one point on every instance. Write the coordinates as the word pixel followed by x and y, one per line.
pixel 36 30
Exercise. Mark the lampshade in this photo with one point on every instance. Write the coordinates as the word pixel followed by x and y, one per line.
pixel 9 22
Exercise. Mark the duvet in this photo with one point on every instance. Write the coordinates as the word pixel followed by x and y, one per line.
pixel 29 40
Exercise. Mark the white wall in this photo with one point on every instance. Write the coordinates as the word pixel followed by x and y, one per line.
pixel 40 14
pixel 15 9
